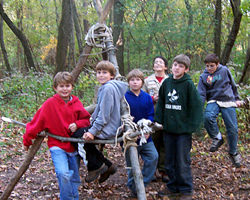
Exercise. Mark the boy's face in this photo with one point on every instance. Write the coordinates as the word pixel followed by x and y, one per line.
pixel 159 65
pixel 64 90
pixel 179 70
pixel 135 84
pixel 211 67
pixel 103 76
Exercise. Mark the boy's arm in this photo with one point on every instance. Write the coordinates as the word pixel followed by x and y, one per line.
pixel 160 106
pixel 36 125
pixel 105 109
pixel 202 91
pixel 234 87
pixel 145 86
pixel 150 108
pixel 195 108
pixel 83 117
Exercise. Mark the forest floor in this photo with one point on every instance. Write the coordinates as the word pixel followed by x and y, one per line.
pixel 214 176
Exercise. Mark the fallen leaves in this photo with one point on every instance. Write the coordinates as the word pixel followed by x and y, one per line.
pixel 214 176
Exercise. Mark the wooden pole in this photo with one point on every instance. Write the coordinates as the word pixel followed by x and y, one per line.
pixel 22 169
pixel 133 154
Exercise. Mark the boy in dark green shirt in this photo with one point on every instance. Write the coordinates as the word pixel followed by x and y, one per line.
pixel 179 110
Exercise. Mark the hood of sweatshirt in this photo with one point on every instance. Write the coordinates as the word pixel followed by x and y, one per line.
pixel 61 101
pixel 182 79
pixel 121 87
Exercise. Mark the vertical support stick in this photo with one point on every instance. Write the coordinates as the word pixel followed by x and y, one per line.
pixel 138 178
pixel 133 155
pixel 22 169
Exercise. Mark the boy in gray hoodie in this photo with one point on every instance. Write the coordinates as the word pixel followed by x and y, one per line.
pixel 217 87
pixel 106 119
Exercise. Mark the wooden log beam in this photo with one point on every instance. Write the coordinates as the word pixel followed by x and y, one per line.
pixel 22 169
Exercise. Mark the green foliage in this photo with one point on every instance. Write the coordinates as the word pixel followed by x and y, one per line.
pixel 21 96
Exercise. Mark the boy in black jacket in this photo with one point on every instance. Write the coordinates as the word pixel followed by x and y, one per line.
pixel 179 110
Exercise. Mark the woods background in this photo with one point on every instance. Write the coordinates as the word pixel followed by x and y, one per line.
pixel 50 34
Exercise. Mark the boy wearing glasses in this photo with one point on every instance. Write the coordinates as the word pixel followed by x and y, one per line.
pixel 217 87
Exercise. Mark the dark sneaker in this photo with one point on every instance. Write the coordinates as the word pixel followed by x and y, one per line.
pixel 92 175
pixel 164 177
pixel 168 193
pixel 154 179
pixel 186 197
pixel 133 191
pixel 236 159
pixel 104 176
pixel 216 143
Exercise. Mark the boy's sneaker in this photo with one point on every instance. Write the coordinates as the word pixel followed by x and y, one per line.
pixel 133 191
pixel 186 197
pixel 216 143
pixel 168 193
pixel 104 176
pixel 92 175
pixel 164 177
pixel 236 159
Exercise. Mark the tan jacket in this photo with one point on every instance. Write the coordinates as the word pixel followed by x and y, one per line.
pixel 152 85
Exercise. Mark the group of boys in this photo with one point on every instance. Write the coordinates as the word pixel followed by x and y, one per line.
pixel 171 100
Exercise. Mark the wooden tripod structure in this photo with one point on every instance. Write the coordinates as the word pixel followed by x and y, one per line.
pixel 99 28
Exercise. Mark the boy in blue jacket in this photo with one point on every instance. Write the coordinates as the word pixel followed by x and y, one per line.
pixel 217 87
pixel 179 110
pixel 141 107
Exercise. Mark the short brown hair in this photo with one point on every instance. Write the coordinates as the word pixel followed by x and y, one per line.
pixel 63 77
pixel 212 58
pixel 183 59
pixel 106 65
pixel 135 73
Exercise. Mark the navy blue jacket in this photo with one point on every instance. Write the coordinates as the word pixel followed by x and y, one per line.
pixel 140 106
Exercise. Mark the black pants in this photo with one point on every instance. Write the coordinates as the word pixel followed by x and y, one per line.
pixel 94 157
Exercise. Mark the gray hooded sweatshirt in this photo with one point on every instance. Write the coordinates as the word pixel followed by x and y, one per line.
pixel 106 118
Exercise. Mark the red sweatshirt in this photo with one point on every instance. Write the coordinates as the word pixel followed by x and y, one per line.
pixel 55 116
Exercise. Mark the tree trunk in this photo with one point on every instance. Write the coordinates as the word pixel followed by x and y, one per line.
pixel 190 24
pixel 63 36
pixel 81 62
pixel 235 4
pixel 5 56
pixel 119 10
pixel 20 36
pixel 78 29
pixel 246 71
pixel 217 28
pixel 71 56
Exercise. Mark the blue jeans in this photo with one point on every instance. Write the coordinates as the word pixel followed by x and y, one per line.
pixel 67 173
pixel 178 162
pixel 149 156
pixel 230 120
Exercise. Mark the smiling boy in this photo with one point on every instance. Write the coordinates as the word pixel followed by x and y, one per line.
pixel 61 115
pixel 106 119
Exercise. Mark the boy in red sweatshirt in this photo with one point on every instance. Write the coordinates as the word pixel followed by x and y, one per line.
pixel 61 115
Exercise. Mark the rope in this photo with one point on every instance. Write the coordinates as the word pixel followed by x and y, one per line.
pixel 98 35
pixel 128 141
